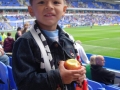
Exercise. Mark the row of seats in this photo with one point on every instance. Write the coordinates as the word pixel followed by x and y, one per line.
pixel 6 77
pixel 7 80
pixel 100 86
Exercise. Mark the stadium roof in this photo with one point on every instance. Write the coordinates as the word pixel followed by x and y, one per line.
pixel 110 1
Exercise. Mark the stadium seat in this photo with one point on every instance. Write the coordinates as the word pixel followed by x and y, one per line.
pixel 3 77
pixel 95 85
pixel 114 86
pixel 10 61
pixel 12 84
pixel 108 87
pixel 90 88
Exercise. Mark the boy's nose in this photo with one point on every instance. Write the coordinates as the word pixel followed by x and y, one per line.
pixel 49 5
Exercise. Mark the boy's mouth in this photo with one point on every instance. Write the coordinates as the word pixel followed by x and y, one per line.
pixel 49 15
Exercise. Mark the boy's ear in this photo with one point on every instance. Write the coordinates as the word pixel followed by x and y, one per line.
pixel 30 10
pixel 64 10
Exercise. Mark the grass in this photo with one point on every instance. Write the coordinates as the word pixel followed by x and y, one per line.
pixel 103 40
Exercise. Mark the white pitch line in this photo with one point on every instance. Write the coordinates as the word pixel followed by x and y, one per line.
pixel 97 39
pixel 101 47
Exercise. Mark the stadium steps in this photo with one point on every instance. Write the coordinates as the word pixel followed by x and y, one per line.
pixel 8 25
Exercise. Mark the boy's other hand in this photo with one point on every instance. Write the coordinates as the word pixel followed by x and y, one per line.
pixel 68 76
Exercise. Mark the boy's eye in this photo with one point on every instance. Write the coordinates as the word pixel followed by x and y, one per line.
pixel 56 2
pixel 41 2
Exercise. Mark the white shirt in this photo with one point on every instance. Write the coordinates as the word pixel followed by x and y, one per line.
pixel 82 53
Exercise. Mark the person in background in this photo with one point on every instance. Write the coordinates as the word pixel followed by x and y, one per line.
pixel 3 35
pixel 3 57
pixel 0 40
pixel 25 28
pixel 81 52
pixel 8 43
pixel 31 69
pixel 88 66
pixel 100 74
pixel 18 33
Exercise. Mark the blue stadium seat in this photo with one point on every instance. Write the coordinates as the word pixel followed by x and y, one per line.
pixel 12 84
pixel 95 85
pixel 10 61
pixel 108 87
pixel 90 88
pixel 3 77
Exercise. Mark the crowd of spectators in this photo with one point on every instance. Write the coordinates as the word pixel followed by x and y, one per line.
pixel 70 3
pixel 78 19
pixel 9 3
pixel 7 41
pixel 92 4
pixel 87 19
pixel 74 18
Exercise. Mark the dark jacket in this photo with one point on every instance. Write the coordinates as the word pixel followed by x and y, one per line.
pixel 27 61
pixel 8 44
pixel 102 75
pixel 16 35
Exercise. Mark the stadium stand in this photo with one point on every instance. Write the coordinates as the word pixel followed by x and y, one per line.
pixel 13 13
pixel 83 12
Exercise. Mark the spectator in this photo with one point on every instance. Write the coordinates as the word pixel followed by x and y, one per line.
pixel 25 28
pixel 88 66
pixel 101 74
pixel 3 57
pixel 0 40
pixel 8 43
pixel 81 52
pixel 18 33
pixel 3 35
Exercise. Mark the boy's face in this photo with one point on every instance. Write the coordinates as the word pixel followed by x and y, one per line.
pixel 47 12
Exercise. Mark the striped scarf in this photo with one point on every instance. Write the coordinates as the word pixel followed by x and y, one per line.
pixel 46 56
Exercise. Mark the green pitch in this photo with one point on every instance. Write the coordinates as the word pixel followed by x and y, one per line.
pixel 103 40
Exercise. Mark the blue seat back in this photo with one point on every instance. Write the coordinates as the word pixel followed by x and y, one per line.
pixel 10 61
pixel 12 84
pixel 3 77
pixel 112 88
pixel 95 85
pixel 90 88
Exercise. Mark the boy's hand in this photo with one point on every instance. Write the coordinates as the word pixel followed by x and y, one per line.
pixel 68 76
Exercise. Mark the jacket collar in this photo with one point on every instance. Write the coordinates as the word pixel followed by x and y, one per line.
pixel 61 33
pixel 96 66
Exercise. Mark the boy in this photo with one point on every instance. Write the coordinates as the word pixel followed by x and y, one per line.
pixel 29 63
